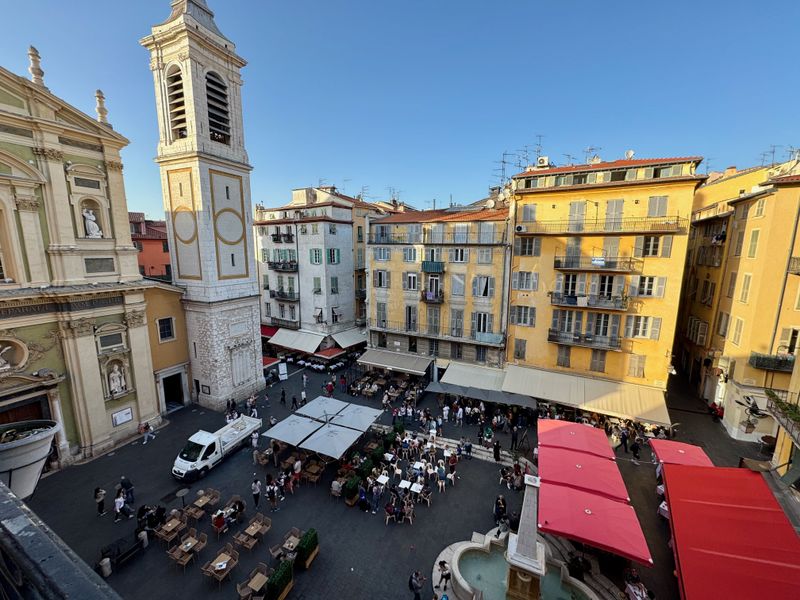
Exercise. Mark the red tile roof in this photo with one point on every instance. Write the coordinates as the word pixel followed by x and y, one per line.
pixel 786 179
pixel 444 215
pixel 614 164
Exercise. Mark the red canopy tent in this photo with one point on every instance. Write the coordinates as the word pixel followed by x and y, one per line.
pixel 731 537
pixel 329 353
pixel 678 453
pixel 592 519
pixel 573 436
pixel 268 330
pixel 582 471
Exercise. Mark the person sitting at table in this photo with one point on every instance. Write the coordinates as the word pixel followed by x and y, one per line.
pixel 336 487
pixel 219 522
pixel 452 461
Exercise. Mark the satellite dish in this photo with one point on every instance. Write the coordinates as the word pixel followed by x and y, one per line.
pixel 490 203
pixel 629 154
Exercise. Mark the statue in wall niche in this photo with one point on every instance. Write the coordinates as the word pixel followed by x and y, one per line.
pixel 90 224
pixel 116 380
pixel 4 364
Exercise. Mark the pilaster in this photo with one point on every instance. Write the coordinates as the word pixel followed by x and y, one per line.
pixel 28 211
pixel 142 363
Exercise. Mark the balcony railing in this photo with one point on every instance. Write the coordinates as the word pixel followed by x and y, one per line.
pixel 285 323
pixel 603 227
pixel 617 264
pixel 772 362
pixel 440 331
pixel 432 297
pixel 794 265
pixel 276 237
pixel 361 294
pixel 434 237
pixel 432 266
pixel 785 409
pixel 602 302
pixel 290 295
pixel 288 237
pixel 485 337
pixel 587 340
pixel 285 266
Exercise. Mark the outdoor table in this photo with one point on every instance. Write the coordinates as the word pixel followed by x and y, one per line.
pixel 313 469
pixel 188 544
pixel 404 485
pixel 660 489
pixel 388 456
pixel 291 543
pixel 253 529
pixel 447 453
pixel 220 563
pixel 418 466
pixel 416 488
pixel 257 582
pixel 383 479
pixel 181 493
pixel 663 510
pixel 202 501
pixel 380 381
pixel 170 525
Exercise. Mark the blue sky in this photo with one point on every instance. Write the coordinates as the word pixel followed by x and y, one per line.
pixel 425 95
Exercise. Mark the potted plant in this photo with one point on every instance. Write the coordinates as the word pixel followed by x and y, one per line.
pixel 350 491
pixel 308 548
pixel 366 468
pixel 399 428
pixel 377 455
pixel 24 448
pixel 281 581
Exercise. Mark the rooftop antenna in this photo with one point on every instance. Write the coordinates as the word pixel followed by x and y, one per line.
pixel 772 148
pixel 708 161
pixel 344 184
pixel 500 172
pixel 570 159
pixel 590 151
pixel 763 156
pixel 433 202
pixel 523 157
pixel 363 193
pixel 321 181
pixel 538 147
pixel 792 153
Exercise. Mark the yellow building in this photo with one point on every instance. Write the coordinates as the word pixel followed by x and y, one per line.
pixel 169 345
pixel 784 406
pixel 740 315
pixel 598 254
pixel 438 285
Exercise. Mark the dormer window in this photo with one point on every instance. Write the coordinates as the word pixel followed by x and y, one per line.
pixel 176 104
pixel 219 123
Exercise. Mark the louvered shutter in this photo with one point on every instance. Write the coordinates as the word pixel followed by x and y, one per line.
pixel 633 289
pixel 702 333
pixel 554 321
pixel 466 255
pixel 619 285
pixel 783 343
pixel 537 246
pixel 515 280
pixel 490 324
pixel 655 327
pixel 512 315
pixel 661 286
pixel 629 326
pixel 590 318
pixel 474 323
pixel 491 287
pixel 578 321
pixel 594 282
pixel 405 281
pixel 614 331
pixel 517 246
pixel 560 283
pixel 474 286
pixel 534 281
pixel 581 287
pixel 388 279
pixel 666 246
pixel 638 246
pixel 451 255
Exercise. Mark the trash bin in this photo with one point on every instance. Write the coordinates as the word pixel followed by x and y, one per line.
pixel 143 538
pixel 105 567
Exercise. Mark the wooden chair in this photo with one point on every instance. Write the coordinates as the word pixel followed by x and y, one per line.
pixel 245 591
pixel 220 529
pixel 276 552
pixel 390 516
pixel 266 525
pixel 260 568
pixel 207 569
pixel 313 478
pixel 175 554
pixel 213 497
pixel 202 542
pixel 294 531
pixel 185 560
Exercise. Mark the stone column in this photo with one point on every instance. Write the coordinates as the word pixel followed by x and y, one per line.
pixel 28 210
pixel 141 362
pixel 127 255
pixel 54 400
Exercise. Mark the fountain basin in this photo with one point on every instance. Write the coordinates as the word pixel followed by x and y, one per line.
pixel 24 448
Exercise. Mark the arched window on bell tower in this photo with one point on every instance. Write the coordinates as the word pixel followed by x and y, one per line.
pixel 176 104
pixel 219 122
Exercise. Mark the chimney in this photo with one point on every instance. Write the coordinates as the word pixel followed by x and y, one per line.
pixel 729 171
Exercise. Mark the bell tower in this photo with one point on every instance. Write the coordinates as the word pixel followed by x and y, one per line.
pixel 205 182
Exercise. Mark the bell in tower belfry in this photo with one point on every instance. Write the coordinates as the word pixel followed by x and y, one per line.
pixel 205 179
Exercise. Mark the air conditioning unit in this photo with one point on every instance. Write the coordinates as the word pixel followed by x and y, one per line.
pixel 520 228
pixel 543 161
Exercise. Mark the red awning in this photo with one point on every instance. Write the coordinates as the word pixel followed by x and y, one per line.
pixel 269 360
pixel 678 453
pixel 582 471
pixel 731 537
pixel 268 330
pixel 329 353
pixel 574 436
pixel 592 519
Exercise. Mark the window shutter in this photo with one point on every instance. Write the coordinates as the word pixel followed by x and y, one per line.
pixel 517 246
pixel 474 323
pixel 490 324
pixel 783 343
pixel 560 283
pixel 661 285
pixel 534 281
pixel 339 256
pixel 374 279
pixel 474 286
pixel 491 287
pixel 629 326
pixel 666 246
pixel 537 246
pixel 594 282
pixel 638 246
pixel 633 290
pixel 590 322
pixel 581 287
pixel 702 333
pixel 648 174
pixel 614 331
pixel 515 281
pixel 619 285
pixel 405 281
pixel 388 279
pixel 451 255
pixel 512 316
pixel 466 255
pixel 554 321
pixel 578 321
pixel 532 313
pixel 655 327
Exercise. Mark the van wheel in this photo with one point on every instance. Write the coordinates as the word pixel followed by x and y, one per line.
pixel 203 473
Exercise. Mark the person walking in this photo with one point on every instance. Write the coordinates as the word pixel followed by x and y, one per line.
pixel 272 494
pixel 100 499
pixel 283 396
pixel 255 488
pixel 302 397
pixel 444 575
pixel 415 584
pixel 254 440
pixel 623 437
pixel 514 436
pixel 276 449
pixel 127 487
pixel 460 416
pixel 120 508
pixel 635 447
pixel 294 406
pixel 305 380
pixel 497 451
pixel 147 432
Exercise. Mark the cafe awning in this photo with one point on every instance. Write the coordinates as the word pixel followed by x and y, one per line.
pixel 268 330
pixel 678 453
pixel 293 429
pixel 395 361
pixel 583 471
pixel 304 341
pixel 329 353
pixel 624 400
pixel 357 417
pixel 331 440
pixel 731 537
pixel 350 337
pixel 481 383
pixel 594 520
pixel 573 436
pixel 322 408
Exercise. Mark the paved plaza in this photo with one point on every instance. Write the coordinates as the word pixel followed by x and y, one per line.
pixel 360 556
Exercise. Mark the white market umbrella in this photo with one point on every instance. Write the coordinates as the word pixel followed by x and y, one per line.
pixel 322 408
pixel 293 429
pixel 357 417
pixel 331 440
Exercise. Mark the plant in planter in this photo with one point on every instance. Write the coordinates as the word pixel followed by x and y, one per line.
pixel 308 548
pixel 399 428
pixel 350 491
pixel 281 581
pixel 377 455
pixel 365 469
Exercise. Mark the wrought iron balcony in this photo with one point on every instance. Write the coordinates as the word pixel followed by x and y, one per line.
pixel 794 265
pixel 772 362
pixel 587 340
pixel 290 295
pixel 277 238
pixel 616 264
pixel 361 294
pixel 601 302
pixel 453 238
pixel 432 297
pixel 285 323
pixel 288 237
pixel 432 266
pixel 287 266
pixel 440 331
pixel 360 321
pixel 485 337
pixel 785 409
pixel 642 225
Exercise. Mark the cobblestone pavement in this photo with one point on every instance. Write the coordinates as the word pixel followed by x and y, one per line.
pixel 360 556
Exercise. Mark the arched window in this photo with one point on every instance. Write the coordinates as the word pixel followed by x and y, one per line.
pixel 176 104
pixel 219 123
